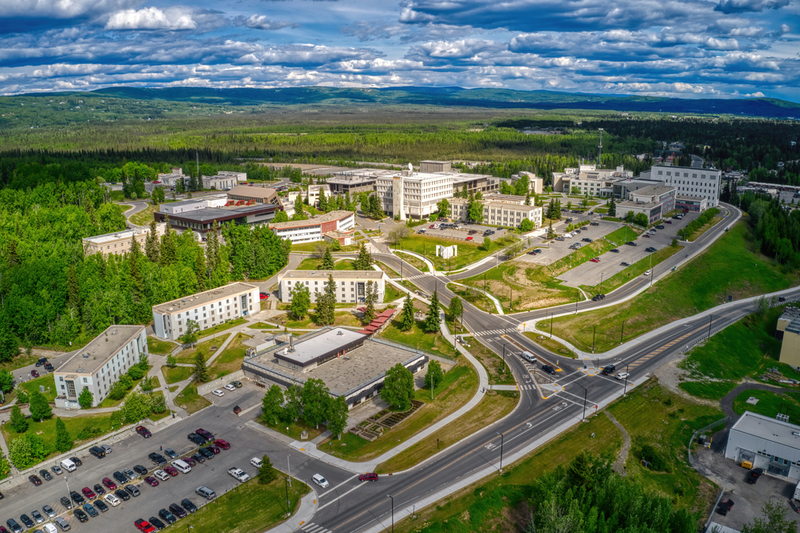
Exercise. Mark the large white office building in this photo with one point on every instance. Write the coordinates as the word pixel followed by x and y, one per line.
pixel 410 194
pixel 499 210
pixel 207 309
pixel 689 181
pixel 314 229
pixel 99 364
pixel 351 285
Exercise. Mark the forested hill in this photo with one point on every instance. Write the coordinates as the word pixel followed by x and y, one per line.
pixel 437 96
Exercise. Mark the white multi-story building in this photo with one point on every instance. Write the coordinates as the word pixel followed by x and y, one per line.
pixel 314 229
pixel 119 242
pixel 505 210
pixel 173 177
pixel 351 285
pixel 589 180
pixel 689 181
pixel 207 309
pixel 314 192
pixel 99 364
pixel 220 182
pixel 238 176
pixel 764 442
pixel 409 194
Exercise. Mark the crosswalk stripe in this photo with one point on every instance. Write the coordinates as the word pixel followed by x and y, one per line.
pixel 314 528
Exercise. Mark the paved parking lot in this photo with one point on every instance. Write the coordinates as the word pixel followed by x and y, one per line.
pixel 559 249
pixel 132 450
pixel 463 232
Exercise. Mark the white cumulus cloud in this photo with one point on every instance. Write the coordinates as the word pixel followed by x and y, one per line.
pixel 151 18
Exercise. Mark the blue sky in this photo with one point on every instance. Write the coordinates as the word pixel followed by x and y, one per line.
pixel 683 48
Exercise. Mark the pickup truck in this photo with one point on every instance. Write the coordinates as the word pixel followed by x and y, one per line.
pixel 239 474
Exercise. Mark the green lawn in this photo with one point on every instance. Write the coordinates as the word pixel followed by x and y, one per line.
pixel 295 429
pixel 433 343
pixel 550 344
pixel 248 508
pixel 177 374
pixel 190 400
pixel 188 355
pixel 467 252
pixel 414 261
pixel 143 217
pixel 261 325
pixel 231 359
pixel 316 264
pixel 47 381
pixel 80 428
pixel 473 296
pixel 160 347
pixel 709 390
pixel 728 267
pixel 222 327
pixel 392 294
pixel 769 404
pixel 341 318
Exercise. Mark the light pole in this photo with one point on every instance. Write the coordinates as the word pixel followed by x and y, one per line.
pixel 585 392
pixel 390 497
pixel 551 325
pixel 625 390
pixel 622 332
pixel 504 357
pixel 188 527
pixel 710 319
pixel 501 450
pixel 286 483
pixel 594 336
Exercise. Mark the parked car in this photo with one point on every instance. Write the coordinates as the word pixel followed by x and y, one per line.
pixel 650 249
pixel 14 525
pixel 595 259
pixel 122 495
pixel 143 431
pixel 586 239
pixel 77 498
pixel 49 511
pixel 753 475
pixel 229 386
pixel 132 490
pixel 57 470
pixel 45 474
pixel 225 445
pixel 157 458
pixel 130 474
pixel 631 243
pixel 237 384
pixel 66 502
pixel 647 272
pixel 319 480
pixel 150 480
pixel 81 516
pixel 205 452
pixel 144 526
pixel 177 510
pixel 35 480
pixel 106 448
pixel 197 439
pixel 263 295
pixel 49 367
pixel 37 516
pixel 187 504
pixel 157 523
pixel 171 470
pixel 168 517
pixel 190 461
pixel 660 226
pixel 88 493
pixel 139 469
pixel 101 505
pixel 35 373
pixel 98 489
pixel 624 264
pixel 199 457
pixel 90 510
pixel 111 499
pixel 110 485
pixel 160 474
pixel 205 434
pixel 77 461
pixel 27 521
pixel 170 453
pixel 62 523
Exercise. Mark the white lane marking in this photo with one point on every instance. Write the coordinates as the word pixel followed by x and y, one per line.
pixel 341 495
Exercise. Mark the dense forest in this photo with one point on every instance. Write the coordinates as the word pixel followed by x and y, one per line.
pixel 51 293
pixel 776 230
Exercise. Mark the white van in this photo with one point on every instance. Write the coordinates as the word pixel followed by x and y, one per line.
pixel 182 466
pixel 68 465
pixel 256 462
pixel 528 356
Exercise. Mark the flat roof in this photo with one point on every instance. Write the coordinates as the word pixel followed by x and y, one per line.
pixel 255 192
pixel 316 221
pixel 343 374
pixel 323 343
pixel 689 197
pixel 109 237
pixel 653 189
pixel 104 346
pixel 794 326
pixel 769 428
pixel 202 298
pixel 209 214
pixel 337 274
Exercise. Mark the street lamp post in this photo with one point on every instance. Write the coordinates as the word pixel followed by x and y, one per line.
pixel 585 392
pixel 710 319
pixel 392 498
pixel 286 484
pixel 625 390
pixel 501 450
pixel 622 332
pixel 551 325
pixel 594 336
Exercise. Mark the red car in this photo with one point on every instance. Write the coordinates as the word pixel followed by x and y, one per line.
pixel 190 461
pixel 370 476
pixel 263 295
pixel 35 373
pixel 595 260
pixel 144 526
pixel 171 470
pixel 222 444
pixel 469 238
pixel 144 432
pixel 150 480
pixel 214 449
pixel 110 485
pixel 89 493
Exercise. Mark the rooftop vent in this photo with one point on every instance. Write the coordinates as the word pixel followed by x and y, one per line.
pixel 340 332
pixel 114 332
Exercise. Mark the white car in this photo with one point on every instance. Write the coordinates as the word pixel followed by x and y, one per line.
pixel 256 462
pixel 217 392
pixel 622 375
pixel 319 480
pixel 229 386
pixel 112 500
pixel 239 474
pixel 160 474
pixel 647 273
pixel 49 528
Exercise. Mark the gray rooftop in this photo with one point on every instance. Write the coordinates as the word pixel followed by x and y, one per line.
pixel 769 428
pixel 307 350
pixel 653 190
pixel 202 298
pixel 104 346
pixel 337 274
pixel 794 326
pixel 253 192
pixel 209 214
pixel 316 221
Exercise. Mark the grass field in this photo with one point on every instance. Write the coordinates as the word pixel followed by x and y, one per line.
pixel 190 400
pixel 47 381
pixel 261 325
pixel 460 384
pixel 19 361
pixel 143 217
pixel 433 343
pixel 295 429
pixel 498 370
pixel 231 359
pixel 769 404
pixel 159 347
pixel 550 344
pixel 467 252
pixel 391 294
pixel 414 261
pixel 188 355
pixel 222 327
pixel 728 267
pixel 177 374
pixel 473 296
pixel 316 264
pixel 499 504
pixel 341 318
pixel 248 508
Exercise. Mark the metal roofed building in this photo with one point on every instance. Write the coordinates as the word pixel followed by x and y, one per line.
pixel 788 330
pixel 202 220
pixel 352 181
pixel 313 229
pixel 219 182
pixel 766 443
pixel 351 364
pixel 260 195
pixel 351 285
pixel 208 309
pixel 654 201
pixel 99 364
pixel 119 242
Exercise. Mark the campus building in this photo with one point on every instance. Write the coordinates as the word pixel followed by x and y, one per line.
pixel 208 309
pixel 654 202
pixel 589 180
pixel 202 220
pixel 535 184
pixel 767 443
pixel 119 242
pixel 351 364
pixel 258 195
pixel 173 177
pixel 240 177
pixel 410 194
pixel 314 229
pixel 352 181
pixel 698 204
pixel 689 181
pixel 314 193
pixel 99 364
pixel 185 206
pixel 219 183
pixel 499 210
pixel 788 332
pixel 351 285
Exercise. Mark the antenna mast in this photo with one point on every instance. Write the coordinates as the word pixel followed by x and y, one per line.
pixel 600 150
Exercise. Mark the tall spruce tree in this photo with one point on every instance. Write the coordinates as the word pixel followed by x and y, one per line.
pixel 369 298
pixel 151 248
pixel 327 260
pixel 73 290
pixel 326 303
pixel 168 247
pixel 364 259
pixel 407 314
pixel 612 208
pixel 431 323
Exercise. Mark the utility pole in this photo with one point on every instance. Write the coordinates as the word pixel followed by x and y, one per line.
pixel 625 390
pixel 622 332
pixel 501 450
pixel 594 336
pixel 585 392
pixel 551 325
pixel 389 496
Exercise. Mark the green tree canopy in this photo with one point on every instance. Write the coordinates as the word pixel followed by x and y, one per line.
pixel 18 420
pixel 272 405
pixel 85 398
pixel 327 260
pixel 200 369
pixel 526 225
pixel 294 403
pixel 407 314
pixel 434 375
pixel 398 387
pixel 63 438
pixel 301 301
pixel 326 303
pixel 431 322
pixel 40 408
pixel 456 308
pixel 315 402
pixel 337 415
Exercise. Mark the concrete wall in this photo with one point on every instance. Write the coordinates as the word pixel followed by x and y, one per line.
pixel 206 388
pixel 790 349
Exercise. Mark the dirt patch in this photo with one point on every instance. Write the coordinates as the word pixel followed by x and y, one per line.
pixel 670 376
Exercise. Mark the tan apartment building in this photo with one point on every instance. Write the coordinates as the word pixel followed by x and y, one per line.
pixel 260 195
pixel 99 364
pixel 351 285
pixel 503 211
pixel 207 309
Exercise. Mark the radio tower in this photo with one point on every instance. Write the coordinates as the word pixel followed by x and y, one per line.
pixel 600 150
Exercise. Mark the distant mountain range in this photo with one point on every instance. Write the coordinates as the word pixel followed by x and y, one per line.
pixel 456 96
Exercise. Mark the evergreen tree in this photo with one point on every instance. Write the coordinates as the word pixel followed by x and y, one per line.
pixel 431 322
pixel 39 407
pixel 323 202
pixel 456 308
pixel 266 472
pixel 364 259
pixel 151 248
pixel 301 301
pixel 348 203
pixel 200 369
pixel 281 216
pixel 63 438
pixel 327 260
pixel 9 347
pixel 326 303
pixel 18 420
pixel 528 199
pixel 370 298
pixel 168 248
pixel 73 289
pixel 13 257
pixel 612 208
pixel 298 205
pixel 200 271
pixel 190 335
pixel 407 314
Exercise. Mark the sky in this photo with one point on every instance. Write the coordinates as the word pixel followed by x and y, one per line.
pixel 678 48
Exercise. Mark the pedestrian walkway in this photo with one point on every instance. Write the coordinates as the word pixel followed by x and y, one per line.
pixel 505 331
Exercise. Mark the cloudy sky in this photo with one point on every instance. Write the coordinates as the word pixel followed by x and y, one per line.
pixel 685 48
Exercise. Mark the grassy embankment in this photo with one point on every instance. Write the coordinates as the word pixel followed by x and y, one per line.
pixel 467 251
pixel 316 264
pixel 160 347
pixel 499 504
pixel 729 267
pixel 534 286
